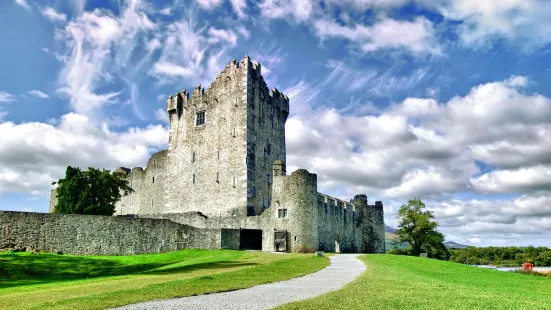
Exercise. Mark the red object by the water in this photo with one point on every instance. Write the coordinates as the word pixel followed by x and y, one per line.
pixel 527 266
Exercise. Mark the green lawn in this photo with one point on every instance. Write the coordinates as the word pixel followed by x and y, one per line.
pixel 401 282
pixel 49 281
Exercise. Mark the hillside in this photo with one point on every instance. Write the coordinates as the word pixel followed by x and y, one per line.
pixel 405 282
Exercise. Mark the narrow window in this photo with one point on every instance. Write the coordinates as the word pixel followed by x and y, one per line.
pixel 200 118
pixel 193 157
pixel 152 202
pixel 268 148
pixel 217 176
pixel 218 154
pixel 253 191
pixel 295 238
pixel 193 179
pixel 153 181
pixel 268 178
pixel 233 132
pixel 234 181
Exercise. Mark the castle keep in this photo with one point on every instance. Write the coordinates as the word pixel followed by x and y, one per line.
pixel 225 170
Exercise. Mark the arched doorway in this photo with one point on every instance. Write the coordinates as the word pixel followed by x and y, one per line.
pixel 337 244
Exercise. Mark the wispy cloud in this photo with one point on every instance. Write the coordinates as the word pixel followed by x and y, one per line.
pixel 38 94
pixel 239 7
pixel 299 10
pixel 222 35
pixel 160 115
pixel 416 36
pixel 24 4
pixel 482 21
pixel 53 15
pixel 100 45
pixel 6 97
pixel 352 79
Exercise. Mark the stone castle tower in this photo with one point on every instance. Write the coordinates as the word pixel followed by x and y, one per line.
pixel 223 142
pixel 224 169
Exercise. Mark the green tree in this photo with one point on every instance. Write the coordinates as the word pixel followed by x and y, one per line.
pixel 92 192
pixel 417 228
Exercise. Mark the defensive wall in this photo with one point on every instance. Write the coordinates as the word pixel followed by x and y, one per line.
pixel 104 235
pixel 313 221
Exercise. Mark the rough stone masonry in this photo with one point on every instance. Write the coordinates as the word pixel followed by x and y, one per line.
pixel 225 169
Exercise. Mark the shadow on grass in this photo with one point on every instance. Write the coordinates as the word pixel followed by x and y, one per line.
pixel 20 270
pixel 202 266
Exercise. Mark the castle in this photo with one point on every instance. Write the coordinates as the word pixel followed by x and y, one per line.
pixel 225 169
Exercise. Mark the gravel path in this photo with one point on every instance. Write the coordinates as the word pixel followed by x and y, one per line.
pixel 343 269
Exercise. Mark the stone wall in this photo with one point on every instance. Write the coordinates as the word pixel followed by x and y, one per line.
pixel 148 185
pixel 266 116
pixel 339 228
pixel 100 235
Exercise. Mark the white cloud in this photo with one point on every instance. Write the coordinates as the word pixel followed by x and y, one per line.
pixel 53 15
pixel 243 31
pixel 46 50
pixel 303 97
pixel 522 180
pixel 351 79
pixel 6 97
pixel 98 46
pixel 191 51
pixel 160 114
pixel 424 148
pixel 38 94
pixel 32 155
pixel 222 35
pixel 300 10
pixel 365 4
pixel 166 11
pixel 24 4
pixel 239 7
pixel 172 70
pixel 209 4
pixel 416 36
pixel 529 20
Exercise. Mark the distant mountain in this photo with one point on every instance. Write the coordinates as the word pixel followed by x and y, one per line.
pixel 455 245
pixel 390 236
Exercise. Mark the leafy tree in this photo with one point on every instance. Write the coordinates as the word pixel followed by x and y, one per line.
pixel 417 228
pixel 90 192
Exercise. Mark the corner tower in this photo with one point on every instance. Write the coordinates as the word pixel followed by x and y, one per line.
pixel 223 142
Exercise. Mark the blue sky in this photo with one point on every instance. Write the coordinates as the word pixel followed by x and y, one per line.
pixel 443 100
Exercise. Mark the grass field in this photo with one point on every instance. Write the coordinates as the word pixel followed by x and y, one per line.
pixel 49 281
pixel 401 282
